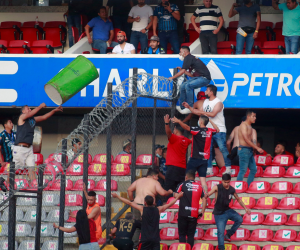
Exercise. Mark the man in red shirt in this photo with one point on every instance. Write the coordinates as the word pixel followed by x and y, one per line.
pixel 200 152
pixel 176 155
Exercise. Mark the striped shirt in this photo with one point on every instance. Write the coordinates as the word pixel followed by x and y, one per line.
pixel 6 142
pixel 166 21
pixel 209 17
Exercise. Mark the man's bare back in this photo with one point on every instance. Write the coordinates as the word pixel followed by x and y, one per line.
pixel 235 134
pixel 245 130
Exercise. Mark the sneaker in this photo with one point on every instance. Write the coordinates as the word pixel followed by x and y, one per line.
pixel 228 171
pixel 184 111
pixel 227 238
pixel 2 186
pixel 178 108
pixel 209 172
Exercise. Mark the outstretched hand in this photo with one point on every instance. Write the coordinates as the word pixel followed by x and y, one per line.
pixel 58 109
pixel 180 195
pixel 175 120
pixel 71 214
pixel 167 118
pixel 114 195
pixel 186 105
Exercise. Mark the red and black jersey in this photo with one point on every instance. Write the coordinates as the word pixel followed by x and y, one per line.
pixel 201 142
pixel 189 202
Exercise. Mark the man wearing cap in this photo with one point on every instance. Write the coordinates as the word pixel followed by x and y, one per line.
pixel 139 16
pixel 154 47
pixel 197 105
pixel 126 147
pixel 123 47
pixel 76 145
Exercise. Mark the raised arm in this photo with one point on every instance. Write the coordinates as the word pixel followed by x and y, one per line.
pixel 214 126
pixel 275 4
pixel 232 11
pixel 161 191
pixel 130 191
pixel 229 141
pixel 65 229
pixel 165 207
pixel 128 202
pixel 48 115
pixel 183 125
pixel 32 112
pixel 84 191
pixel 167 125
pixel 242 203
pixel 212 191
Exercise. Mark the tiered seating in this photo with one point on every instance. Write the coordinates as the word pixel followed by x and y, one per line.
pixel 180 246
pixel 203 246
pixel 234 171
pixel 248 201
pixel 101 185
pixel 192 33
pixel 259 187
pixel 281 187
pixel 98 169
pixel 169 233
pixel 275 219
pixel 241 234
pixel 274 172
pixel 256 218
pixel 261 235
pixel 226 47
pixel 240 186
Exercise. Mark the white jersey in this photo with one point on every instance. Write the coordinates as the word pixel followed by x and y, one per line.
pixel 219 119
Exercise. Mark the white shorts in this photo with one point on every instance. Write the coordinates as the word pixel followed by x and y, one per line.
pixel 23 157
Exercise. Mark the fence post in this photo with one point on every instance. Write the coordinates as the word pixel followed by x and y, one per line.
pixel 133 126
pixel 12 209
pixel 153 133
pixel 174 101
pixel 85 157
pixel 108 161
pixel 62 194
pixel 39 204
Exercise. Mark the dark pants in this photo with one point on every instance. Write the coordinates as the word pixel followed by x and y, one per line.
pixel 198 165
pixel 136 236
pixel 208 42
pixel 180 29
pixel 187 229
pixel 221 221
pixel 123 244
pixel 174 176
pixel 169 37
pixel 150 245
pixel 73 20
pixel 120 22
pixel 139 37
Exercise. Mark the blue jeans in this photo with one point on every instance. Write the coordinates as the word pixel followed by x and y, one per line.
pixel 246 160
pixel 171 37
pixel 291 44
pixel 187 89
pixel 240 41
pixel 220 139
pixel 89 246
pixel 137 37
pixel 73 20
pixel 221 221
pixel 101 45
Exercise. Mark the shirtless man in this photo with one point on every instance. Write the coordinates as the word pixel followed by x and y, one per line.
pixel 246 147
pixel 197 105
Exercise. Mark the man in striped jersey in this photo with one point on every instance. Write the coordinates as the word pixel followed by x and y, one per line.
pixel 211 21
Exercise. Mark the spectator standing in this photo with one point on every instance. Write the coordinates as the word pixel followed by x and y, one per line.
pixel 159 155
pixel 103 31
pixel 209 15
pixel 199 77
pixel 176 155
pixel 180 22
pixel 126 147
pixel 245 150
pixel 188 207
pixel 291 24
pixel 123 47
pixel 154 47
pixel 250 18
pixel 121 9
pixel 165 24
pixel 222 212
pixel 139 16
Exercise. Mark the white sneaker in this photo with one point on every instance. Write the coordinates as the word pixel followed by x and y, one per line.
pixel 209 172
pixel 228 171
pixel 178 108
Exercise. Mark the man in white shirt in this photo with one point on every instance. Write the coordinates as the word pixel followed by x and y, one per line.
pixel 139 17
pixel 123 47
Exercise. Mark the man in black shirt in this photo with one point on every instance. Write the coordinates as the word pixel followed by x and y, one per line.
pixel 150 238
pixel 222 211
pixel 154 47
pixel 188 207
pixel 200 77
pixel 124 230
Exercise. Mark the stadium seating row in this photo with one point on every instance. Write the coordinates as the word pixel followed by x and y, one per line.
pixel 24 47
pixel 30 244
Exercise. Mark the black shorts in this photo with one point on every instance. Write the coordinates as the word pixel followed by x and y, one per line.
pixel 150 245
pixel 198 165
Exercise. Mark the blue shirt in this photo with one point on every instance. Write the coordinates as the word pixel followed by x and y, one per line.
pixel 6 142
pixel 166 21
pixel 291 20
pixel 101 29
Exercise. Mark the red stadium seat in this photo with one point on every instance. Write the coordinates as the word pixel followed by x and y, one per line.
pixel 292 172
pixel 255 218
pixel 207 218
pixel 281 187
pixel 54 157
pixel 274 172
pixel 240 186
pixel 234 171
pixel 262 160
pixel 176 205
pixel 101 185
pixel 101 158
pixel 163 246
pixel 226 47
pixel 249 247
pixel 123 158
pixel 259 187
pixel 283 160
pixel 261 235
pixel 144 160
pixel 71 219
pixel 180 246
pixel 232 27
pixel 293 247
pixel 212 234
pixel 30 32
pixel 298 162
pixel 298 238
pixel 79 185
pixel 266 203
pixel 264 34
pixel 212 205
pixel 75 34
pixel 100 199
pixel 296 189
pixel 203 246
pixel 120 169
pixel 294 220
pixel 278 31
pixel 57 167
pixel 10 24
pixel 55 185
pixel 38 158
pixel 79 159
pixel 273 47
pixel 49 170
pixel 240 235
pixel 175 219
pixel 31 24
pixel 16 47
pixel 165 217
pixel 193 35
pixel 84 21
pixel 248 201
pixel 211 184
pixel 21 184
pixel 215 172
pixel 208 202
pixel 75 169
pixel 3 46
pixel 289 203
pixel 285 235
pixel 199 233
pixel 10 30
pixel 72 200
pixel 34 185
pixel 259 172
pixel 273 247
pixel 97 169
pixel 169 233
pixel 56 32
pixel 275 219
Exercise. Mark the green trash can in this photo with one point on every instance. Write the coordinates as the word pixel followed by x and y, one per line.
pixel 73 78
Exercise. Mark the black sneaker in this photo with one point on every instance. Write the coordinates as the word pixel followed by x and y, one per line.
pixel 227 238
pixel 2 186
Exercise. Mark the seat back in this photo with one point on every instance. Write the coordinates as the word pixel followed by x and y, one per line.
pixel 27 245
pixel 294 219
pixel 225 47
pixel 75 34
pixel 233 24
pixel 281 187
pixel 207 218
pixel 9 34
pixel 56 35
pixel 50 245
pixel 21 184
pixel 249 247
pixel 73 200
pixel 79 159
pixel 4 244
pixel 191 26
pixel 101 158
pixel 53 216
pixel 75 169
pixel 285 235
pixel 275 219
pixel 10 24
pixel 293 247
pixel 199 233
pixel 50 200
pixel 259 187
pixel 292 172
pixel 261 235
pixel 255 218
pixel 289 203
pixel 203 246
pixel 41 43
pixel 274 172
pixel 54 24
pixel 123 158
pixel 120 169
pixel 248 201
pixel 262 160
pixel 267 203
pixel 176 205
pixel 4 231
pixel 54 158
pixel 101 185
pixel 100 199
pixel 273 247
pixel 55 185
pixel 23 230
pixel 145 159
pixel 193 34
pixel 97 169
pixel 79 185
pixel 208 202
pixel 240 235
pixel 165 217
pixel 30 215
pixel 259 172
pixel 211 184
pixel 38 158
pixel 283 160
pixel 19 215
pixel 211 234
pixel 84 21
pixel 240 186
pixel 169 233
pixel 298 162
pixel 31 24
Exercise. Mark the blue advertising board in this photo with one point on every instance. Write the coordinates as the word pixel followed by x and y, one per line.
pixel 243 82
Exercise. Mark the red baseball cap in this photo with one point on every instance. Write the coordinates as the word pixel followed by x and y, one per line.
pixel 122 33
pixel 201 95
